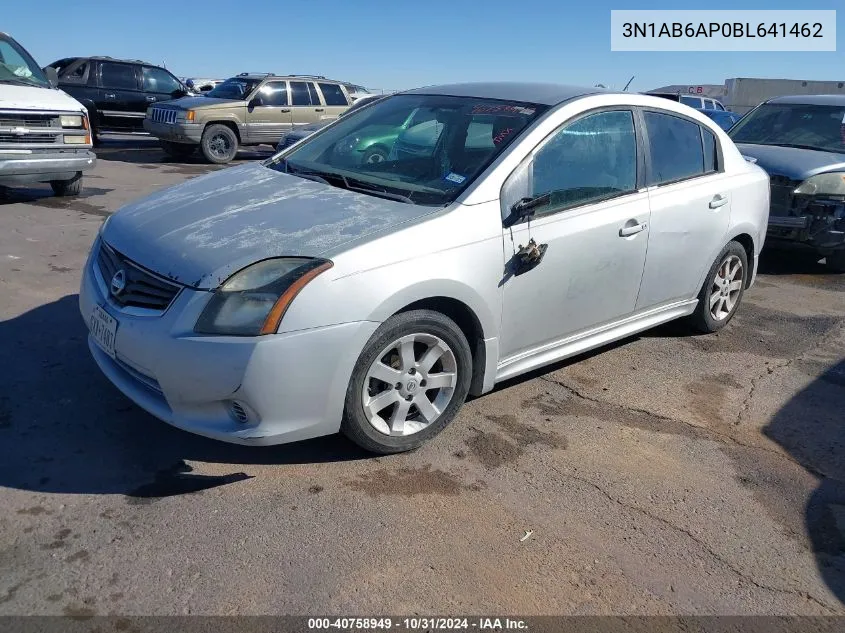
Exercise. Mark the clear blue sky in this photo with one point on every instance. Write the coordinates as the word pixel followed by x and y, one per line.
pixel 399 44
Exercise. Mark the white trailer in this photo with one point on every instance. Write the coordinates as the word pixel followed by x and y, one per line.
pixel 742 94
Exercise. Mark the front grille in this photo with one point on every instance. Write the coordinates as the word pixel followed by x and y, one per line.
pixel 29 137
pixel 30 120
pixel 142 289
pixel 163 115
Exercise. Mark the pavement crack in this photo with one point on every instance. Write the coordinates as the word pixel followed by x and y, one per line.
pixel 746 402
pixel 702 544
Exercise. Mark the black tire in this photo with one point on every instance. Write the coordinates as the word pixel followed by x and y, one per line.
pixel 355 424
pixel 177 150
pixel 702 320
pixel 67 188
pixel 374 154
pixel 836 261
pixel 219 144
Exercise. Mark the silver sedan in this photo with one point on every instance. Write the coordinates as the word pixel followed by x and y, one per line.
pixel 511 226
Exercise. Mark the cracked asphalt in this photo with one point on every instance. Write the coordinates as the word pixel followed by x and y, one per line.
pixel 665 474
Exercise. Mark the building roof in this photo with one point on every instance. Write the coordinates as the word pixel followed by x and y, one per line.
pixel 832 100
pixel 542 93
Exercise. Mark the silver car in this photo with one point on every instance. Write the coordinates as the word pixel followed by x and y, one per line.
pixel 513 225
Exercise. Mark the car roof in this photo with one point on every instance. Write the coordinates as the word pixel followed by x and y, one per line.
pixel 289 77
pixel 527 92
pixel 834 100
pixel 106 58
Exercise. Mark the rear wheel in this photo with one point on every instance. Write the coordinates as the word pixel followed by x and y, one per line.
pixel 722 291
pixel 409 382
pixel 64 188
pixel 219 144
pixel 177 150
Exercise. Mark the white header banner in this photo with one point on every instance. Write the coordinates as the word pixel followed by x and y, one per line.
pixel 722 30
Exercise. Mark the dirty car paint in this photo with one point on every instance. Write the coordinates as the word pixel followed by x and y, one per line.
pixel 200 232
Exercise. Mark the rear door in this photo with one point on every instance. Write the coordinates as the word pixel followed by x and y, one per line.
pixel 159 85
pixel 305 103
pixel 120 105
pixel 334 100
pixel 690 203
pixel 268 115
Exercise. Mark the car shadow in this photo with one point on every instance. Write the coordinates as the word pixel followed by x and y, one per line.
pixel 810 428
pixel 775 261
pixel 144 150
pixel 65 429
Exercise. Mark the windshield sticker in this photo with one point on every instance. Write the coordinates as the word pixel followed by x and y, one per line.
pixel 456 178
pixel 501 136
pixel 491 108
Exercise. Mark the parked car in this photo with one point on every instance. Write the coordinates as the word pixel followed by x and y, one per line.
pixel 712 108
pixel 800 141
pixel 117 92
pixel 45 134
pixel 201 86
pixel 300 296
pixel 297 134
pixel 250 109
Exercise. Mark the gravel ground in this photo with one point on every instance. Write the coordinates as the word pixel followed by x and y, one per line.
pixel 665 474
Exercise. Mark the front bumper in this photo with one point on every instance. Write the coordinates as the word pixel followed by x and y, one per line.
pixel 175 132
pixel 290 386
pixel 19 168
pixel 815 223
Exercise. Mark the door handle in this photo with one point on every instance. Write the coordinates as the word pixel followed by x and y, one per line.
pixel 718 201
pixel 109 95
pixel 632 229
pixel 285 109
pixel 151 98
pixel 319 109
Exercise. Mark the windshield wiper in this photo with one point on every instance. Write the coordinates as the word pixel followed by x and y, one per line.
pixel 350 184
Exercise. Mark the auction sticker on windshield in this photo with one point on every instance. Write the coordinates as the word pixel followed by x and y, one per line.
pixel 103 329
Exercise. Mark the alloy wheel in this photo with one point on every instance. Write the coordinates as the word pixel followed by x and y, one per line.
pixel 409 384
pixel 219 146
pixel 726 288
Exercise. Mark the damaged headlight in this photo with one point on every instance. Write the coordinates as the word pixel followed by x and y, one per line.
pixel 254 300
pixel 830 184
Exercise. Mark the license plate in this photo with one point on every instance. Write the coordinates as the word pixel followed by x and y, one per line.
pixel 103 329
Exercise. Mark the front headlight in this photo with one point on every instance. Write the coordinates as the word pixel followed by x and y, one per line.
pixel 831 184
pixel 71 120
pixel 254 300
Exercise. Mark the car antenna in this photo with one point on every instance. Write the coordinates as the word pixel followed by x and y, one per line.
pixel 625 89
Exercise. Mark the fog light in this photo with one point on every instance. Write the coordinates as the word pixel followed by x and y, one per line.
pixel 75 140
pixel 238 412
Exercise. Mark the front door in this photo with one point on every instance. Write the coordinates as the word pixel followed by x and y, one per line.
pixel 159 85
pixel 595 226
pixel 121 105
pixel 690 208
pixel 268 116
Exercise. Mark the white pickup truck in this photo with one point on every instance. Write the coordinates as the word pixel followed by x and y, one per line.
pixel 44 133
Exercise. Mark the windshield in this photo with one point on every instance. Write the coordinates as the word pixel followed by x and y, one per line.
pixel 422 149
pixel 235 88
pixel 820 127
pixel 18 67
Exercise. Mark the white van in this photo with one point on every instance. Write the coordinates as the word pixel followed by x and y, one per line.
pixel 44 132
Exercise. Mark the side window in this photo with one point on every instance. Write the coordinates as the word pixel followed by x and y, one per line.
pixel 299 94
pixel 274 93
pixel 709 105
pixel 118 76
pixel 719 106
pixel 312 93
pixel 76 74
pixel 158 80
pixel 676 148
pixel 592 159
pixel 333 95
pixel 711 163
pixel 693 102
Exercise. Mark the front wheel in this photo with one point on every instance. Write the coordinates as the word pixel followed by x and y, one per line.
pixel 409 382
pixel 219 144
pixel 722 291
pixel 65 188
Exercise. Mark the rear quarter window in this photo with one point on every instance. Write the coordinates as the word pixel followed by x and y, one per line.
pixel 676 148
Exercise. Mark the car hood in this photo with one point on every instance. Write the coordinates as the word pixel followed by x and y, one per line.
pixel 193 103
pixel 34 98
pixel 200 232
pixel 793 162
